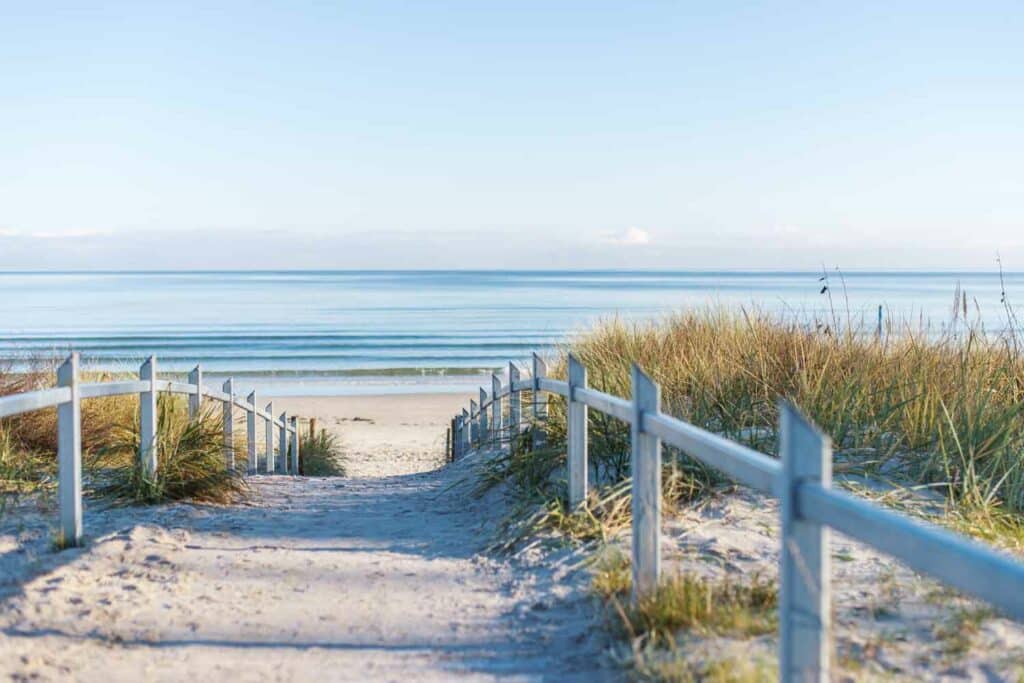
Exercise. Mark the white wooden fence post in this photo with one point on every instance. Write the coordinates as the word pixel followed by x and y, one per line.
pixel 474 421
pixel 69 454
pixel 457 447
pixel 228 421
pixel 805 629
pixel 270 464
pixel 282 447
pixel 576 427
pixel 484 429
pixel 250 433
pixel 514 404
pixel 540 402
pixel 148 420
pixel 195 401
pixel 496 426
pixel 457 437
pixel 295 445
pixel 645 463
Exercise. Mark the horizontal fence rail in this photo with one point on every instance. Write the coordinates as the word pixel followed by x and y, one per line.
pixel 801 479
pixel 69 393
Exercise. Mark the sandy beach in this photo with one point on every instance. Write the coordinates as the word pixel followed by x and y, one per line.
pixel 382 435
pixel 376 576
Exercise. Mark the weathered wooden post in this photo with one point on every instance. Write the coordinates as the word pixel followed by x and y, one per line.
pixel 805 628
pixel 270 462
pixel 295 445
pixel 148 420
pixel 228 424
pixel 474 422
pixel 250 432
pixel 282 447
pixel 514 405
pixel 540 402
pixel 69 454
pixel 484 429
pixel 195 401
pixel 448 444
pixel 496 425
pixel 457 440
pixel 646 466
pixel 577 434
pixel 466 445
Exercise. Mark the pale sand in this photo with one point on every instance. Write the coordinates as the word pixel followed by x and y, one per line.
pixel 364 578
pixel 383 435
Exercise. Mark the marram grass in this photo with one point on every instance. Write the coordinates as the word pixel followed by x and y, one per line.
pixel 321 455
pixel 190 456
pixel 941 408
pixel 918 405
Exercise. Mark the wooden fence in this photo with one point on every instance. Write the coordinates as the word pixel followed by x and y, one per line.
pixel 69 393
pixel 801 479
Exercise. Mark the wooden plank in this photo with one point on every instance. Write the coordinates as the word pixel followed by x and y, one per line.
pixel 805 628
pixel 250 433
pixel 171 387
pixel 540 402
pixel 576 427
pixel 148 419
pixel 69 455
pixel 465 431
pixel 964 564
pixel 474 422
pixel 743 464
pixel 554 386
pixel 496 416
pixel 645 463
pixel 101 389
pixel 228 423
pixel 195 400
pixel 17 404
pixel 617 407
pixel 268 445
pixel 484 422
pixel 295 445
pixel 514 405
pixel 282 447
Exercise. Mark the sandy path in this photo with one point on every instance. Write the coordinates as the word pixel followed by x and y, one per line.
pixel 383 435
pixel 355 579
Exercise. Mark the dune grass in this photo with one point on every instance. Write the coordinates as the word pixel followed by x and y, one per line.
pixel 192 464
pixel 686 602
pixel 321 455
pixel 191 451
pixel 682 608
pixel 936 407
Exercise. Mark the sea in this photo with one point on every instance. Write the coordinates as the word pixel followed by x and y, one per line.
pixel 374 332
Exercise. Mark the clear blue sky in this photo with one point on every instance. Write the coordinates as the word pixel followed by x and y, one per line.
pixel 512 134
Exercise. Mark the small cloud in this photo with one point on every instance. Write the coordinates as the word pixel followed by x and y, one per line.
pixel 632 237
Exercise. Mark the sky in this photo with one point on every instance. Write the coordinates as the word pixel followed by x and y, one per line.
pixel 548 134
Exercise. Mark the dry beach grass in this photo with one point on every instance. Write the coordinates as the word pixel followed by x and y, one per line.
pixel 929 420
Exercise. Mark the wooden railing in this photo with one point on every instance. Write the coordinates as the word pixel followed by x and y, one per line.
pixel 801 479
pixel 70 392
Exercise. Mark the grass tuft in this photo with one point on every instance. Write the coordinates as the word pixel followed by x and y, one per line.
pixel 686 602
pixel 190 456
pixel 322 455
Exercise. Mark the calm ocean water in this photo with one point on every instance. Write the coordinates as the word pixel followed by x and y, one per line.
pixel 350 332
